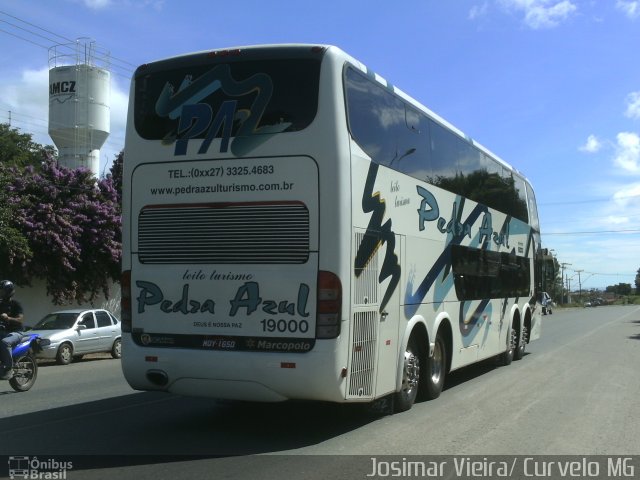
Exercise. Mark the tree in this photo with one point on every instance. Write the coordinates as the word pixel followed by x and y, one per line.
pixel 19 150
pixel 638 282
pixel 13 245
pixel 115 173
pixel 620 289
pixel 57 224
pixel 72 225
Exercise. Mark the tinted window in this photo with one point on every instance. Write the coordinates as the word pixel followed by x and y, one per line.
pixel 56 321
pixel 279 93
pixel 103 318
pixel 388 133
pixel 88 321
pixel 481 274
pixel 533 209
pixel 395 134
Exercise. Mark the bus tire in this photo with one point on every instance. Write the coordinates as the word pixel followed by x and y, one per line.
pixel 522 345
pixel 512 339
pixel 405 398
pixel 435 371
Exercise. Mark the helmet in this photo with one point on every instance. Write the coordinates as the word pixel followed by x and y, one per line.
pixel 7 288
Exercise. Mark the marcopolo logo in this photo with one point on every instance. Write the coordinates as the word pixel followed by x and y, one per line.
pixel 36 469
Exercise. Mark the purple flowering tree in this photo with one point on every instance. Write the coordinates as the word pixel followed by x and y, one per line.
pixel 72 225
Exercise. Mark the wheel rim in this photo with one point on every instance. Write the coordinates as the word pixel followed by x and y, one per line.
pixel 514 340
pixel 411 375
pixel 65 353
pixel 23 371
pixel 437 363
pixel 118 348
pixel 523 341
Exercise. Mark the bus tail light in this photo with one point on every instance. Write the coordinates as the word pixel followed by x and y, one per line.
pixel 329 310
pixel 125 302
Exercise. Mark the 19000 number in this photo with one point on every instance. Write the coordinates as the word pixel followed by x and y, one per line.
pixel 284 326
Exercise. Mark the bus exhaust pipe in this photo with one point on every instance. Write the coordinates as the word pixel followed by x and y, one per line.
pixel 158 377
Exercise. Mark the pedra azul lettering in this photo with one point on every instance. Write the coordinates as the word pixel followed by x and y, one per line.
pixel 246 297
pixel 151 294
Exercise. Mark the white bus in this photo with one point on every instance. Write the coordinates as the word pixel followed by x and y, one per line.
pixel 296 227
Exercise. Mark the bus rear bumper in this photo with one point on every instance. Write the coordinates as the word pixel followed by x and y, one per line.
pixel 260 376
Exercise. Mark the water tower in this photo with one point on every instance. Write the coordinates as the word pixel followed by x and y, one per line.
pixel 79 109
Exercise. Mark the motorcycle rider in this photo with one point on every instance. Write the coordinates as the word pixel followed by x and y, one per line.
pixel 11 315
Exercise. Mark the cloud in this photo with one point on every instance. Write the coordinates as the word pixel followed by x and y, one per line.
pixel 97 4
pixel 478 11
pixel 630 194
pixel 628 152
pixel 630 8
pixel 102 4
pixel 541 14
pixel 617 221
pixel 592 145
pixel 633 105
pixel 27 97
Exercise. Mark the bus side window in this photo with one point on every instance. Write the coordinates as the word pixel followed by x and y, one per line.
pixel 414 142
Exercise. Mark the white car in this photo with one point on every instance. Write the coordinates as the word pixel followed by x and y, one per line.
pixel 74 333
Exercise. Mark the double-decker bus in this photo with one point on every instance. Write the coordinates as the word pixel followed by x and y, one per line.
pixel 296 227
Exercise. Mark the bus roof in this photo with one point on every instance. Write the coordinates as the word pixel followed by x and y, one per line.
pixel 288 50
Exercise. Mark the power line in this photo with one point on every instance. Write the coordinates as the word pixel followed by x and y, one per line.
pixel 594 232
pixel 28 31
pixel 604 274
pixel 36 26
pixel 592 200
pixel 105 56
pixel 22 38
pixel 112 137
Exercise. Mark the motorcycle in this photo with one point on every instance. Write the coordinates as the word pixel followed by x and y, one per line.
pixel 25 367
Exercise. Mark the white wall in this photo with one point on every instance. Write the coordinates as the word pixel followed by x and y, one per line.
pixel 36 304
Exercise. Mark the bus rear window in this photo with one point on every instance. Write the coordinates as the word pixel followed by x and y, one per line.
pixel 223 97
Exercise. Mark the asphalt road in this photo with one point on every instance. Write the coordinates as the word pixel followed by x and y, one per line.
pixel 576 392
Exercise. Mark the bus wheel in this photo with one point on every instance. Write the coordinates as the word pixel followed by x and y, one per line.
pixel 519 352
pixel 507 356
pixel 432 384
pixel 405 398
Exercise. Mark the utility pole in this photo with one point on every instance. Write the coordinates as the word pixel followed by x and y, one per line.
pixel 562 293
pixel 580 283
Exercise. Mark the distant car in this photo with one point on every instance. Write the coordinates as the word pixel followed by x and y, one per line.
pixel 74 333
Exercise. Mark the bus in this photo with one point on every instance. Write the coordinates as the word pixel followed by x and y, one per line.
pixel 295 227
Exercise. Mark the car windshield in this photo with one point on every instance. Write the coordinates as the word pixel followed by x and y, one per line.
pixel 56 321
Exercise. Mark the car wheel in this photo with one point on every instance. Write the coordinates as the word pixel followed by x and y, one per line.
pixel 116 350
pixel 65 354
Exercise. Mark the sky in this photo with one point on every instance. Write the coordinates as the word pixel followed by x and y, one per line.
pixel 550 86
